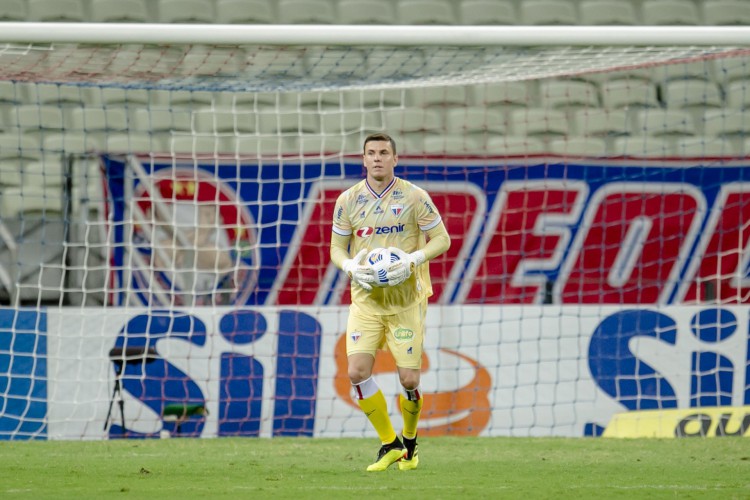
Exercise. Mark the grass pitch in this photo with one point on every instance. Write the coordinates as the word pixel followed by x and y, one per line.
pixel 302 468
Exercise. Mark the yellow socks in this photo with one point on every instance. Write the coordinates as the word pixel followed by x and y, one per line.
pixel 371 400
pixel 411 408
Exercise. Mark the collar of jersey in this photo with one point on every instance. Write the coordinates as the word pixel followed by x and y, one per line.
pixel 385 191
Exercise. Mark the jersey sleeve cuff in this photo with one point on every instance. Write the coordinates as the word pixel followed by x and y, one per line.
pixel 432 224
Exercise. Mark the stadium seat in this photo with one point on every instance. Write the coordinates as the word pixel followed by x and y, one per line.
pixel 36 120
pixel 487 12
pixel 181 98
pixel 350 121
pixel 416 12
pixel 691 94
pixel 547 12
pixel 161 120
pixel 374 99
pixel 539 122
pixel 505 95
pixel 13 10
pixel 731 69
pixel 249 101
pixel 322 145
pixel 306 12
pixel 412 120
pixel 515 145
pixel 726 122
pixel 607 12
pixel 670 12
pixel 426 97
pixel 223 121
pixel 119 11
pixel 196 144
pixel 70 143
pixel 47 172
pixel 98 119
pixel 599 122
pixel 451 144
pixel 11 93
pixel 738 94
pixel 568 94
pixel 186 11
pixel 696 70
pixel 15 151
pixel 629 93
pixel 18 146
pixel 472 119
pixel 366 12
pixel 726 12
pixel 30 199
pixel 288 120
pixel 254 146
pixel 137 142
pixel 578 146
pixel 61 95
pixel 642 146
pixel 664 122
pixel 56 10
pixel 704 146
pixel 244 12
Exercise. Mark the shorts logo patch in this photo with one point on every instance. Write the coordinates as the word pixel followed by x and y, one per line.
pixel 409 351
pixel 403 335
pixel 355 336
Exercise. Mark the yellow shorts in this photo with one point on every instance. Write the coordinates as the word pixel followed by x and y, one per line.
pixel 402 333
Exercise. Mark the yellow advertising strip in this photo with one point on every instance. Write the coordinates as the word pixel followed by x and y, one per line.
pixel 715 421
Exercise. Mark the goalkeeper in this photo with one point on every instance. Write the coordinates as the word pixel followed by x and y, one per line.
pixel 384 211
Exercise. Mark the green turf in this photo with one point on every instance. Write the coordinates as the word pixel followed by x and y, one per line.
pixel 334 468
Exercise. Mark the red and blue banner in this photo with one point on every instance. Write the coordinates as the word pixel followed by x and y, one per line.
pixel 537 231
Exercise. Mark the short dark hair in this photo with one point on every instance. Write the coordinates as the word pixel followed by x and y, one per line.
pixel 379 136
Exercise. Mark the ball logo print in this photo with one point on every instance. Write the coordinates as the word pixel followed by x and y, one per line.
pixel 380 259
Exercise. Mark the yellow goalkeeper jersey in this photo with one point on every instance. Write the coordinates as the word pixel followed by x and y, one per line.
pixel 396 217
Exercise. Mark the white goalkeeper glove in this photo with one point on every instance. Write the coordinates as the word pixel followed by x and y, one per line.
pixel 361 275
pixel 399 271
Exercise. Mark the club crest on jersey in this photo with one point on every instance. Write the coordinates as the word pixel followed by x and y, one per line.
pixel 355 336
pixel 397 209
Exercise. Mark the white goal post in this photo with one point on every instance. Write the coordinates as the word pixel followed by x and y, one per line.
pixel 166 193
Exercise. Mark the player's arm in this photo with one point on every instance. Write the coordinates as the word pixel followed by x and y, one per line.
pixel 360 275
pixel 407 263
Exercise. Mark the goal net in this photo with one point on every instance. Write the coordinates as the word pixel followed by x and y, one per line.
pixel 165 213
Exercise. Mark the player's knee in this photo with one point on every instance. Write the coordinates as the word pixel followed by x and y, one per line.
pixel 358 374
pixel 409 380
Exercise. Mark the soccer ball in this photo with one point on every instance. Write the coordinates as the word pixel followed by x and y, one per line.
pixel 380 259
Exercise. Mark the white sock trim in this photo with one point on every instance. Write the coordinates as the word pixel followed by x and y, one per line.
pixel 413 395
pixel 366 389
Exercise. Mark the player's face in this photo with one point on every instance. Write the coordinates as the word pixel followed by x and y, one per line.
pixel 380 161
